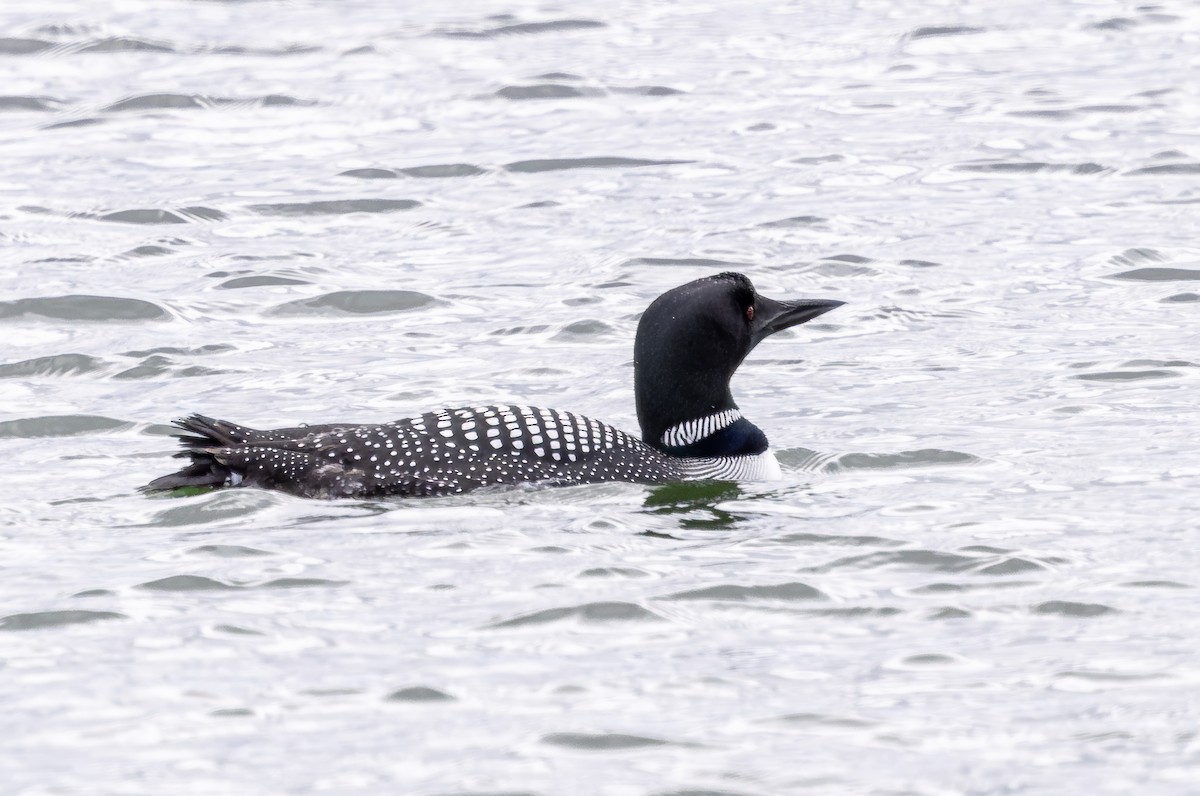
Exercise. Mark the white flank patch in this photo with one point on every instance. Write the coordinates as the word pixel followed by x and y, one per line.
pixel 760 467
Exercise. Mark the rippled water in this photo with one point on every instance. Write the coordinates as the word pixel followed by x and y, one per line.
pixel 978 575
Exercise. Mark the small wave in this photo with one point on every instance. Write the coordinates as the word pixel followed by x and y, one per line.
pixel 823 720
pixel 1115 23
pixel 371 174
pixel 185 583
pixel 229 551
pixel 1073 609
pixel 926 560
pixel 261 280
pixel 210 348
pixel 1013 565
pixel 524 28
pixel 143 216
pixel 1159 275
pixel 335 207
pixel 237 630
pixel 936 31
pixel 1110 108
pixel 696 262
pixel 84 308
pixel 1053 114
pixel 601 742
pixel 59 426
pixel 602 162
pixel 931 660
pixel 233 506
pixel 1127 375
pixel 1168 169
pixel 44 619
pixel 297 583
pixel 733 593
pixel 824 539
pixel 234 49
pixel 419 693
pixel 943 587
pixel 147 102
pixel 647 91
pixel 1137 255
pixel 1004 167
pixel 545 91
pixel 17 46
pixel 156 216
pixel 588 613
pixel 613 572
pixel 23 103
pixel 167 101
pixel 589 329
pixel 794 221
pixel 147 251
pixel 357 302
pixel 124 44
pixel 55 365
pixel 439 171
pixel 84 122
pixel 926 457
pixel 155 367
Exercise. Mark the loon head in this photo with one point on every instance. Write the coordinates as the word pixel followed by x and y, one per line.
pixel 689 342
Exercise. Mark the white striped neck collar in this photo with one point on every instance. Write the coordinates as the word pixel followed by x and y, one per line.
pixel 689 432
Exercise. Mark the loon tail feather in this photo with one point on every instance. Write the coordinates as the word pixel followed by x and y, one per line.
pixel 206 437
pixel 211 433
pixel 198 473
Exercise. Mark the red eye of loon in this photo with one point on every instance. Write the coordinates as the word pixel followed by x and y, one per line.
pixel 750 313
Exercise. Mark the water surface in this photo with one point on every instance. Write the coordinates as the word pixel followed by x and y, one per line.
pixel 977 576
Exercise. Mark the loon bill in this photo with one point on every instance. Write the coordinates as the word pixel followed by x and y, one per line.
pixel 689 343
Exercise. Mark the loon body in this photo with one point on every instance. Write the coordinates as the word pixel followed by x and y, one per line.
pixel 689 343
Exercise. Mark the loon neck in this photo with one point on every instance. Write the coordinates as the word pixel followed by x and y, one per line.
pixel 721 434
pixel 678 407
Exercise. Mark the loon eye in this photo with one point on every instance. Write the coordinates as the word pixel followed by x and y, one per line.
pixel 750 313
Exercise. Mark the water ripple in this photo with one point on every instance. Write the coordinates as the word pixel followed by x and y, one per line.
pixel 84 308
pixel 600 162
pixel 335 207
pixel 54 365
pixel 523 28
pixel 601 742
pixel 59 426
pixel 1072 609
pixel 601 613
pixel 357 302
pixel 734 593
pixel 420 694
pixel 54 619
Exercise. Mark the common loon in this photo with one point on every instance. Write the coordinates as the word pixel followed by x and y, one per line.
pixel 689 343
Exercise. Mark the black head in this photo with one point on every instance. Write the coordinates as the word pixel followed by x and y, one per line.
pixel 691 340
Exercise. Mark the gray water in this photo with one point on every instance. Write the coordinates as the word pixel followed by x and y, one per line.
pixel 977 576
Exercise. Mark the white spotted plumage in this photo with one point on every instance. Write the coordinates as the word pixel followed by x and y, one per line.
pixel 440 453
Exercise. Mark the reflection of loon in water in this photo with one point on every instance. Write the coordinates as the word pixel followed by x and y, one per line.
pixel 689 343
